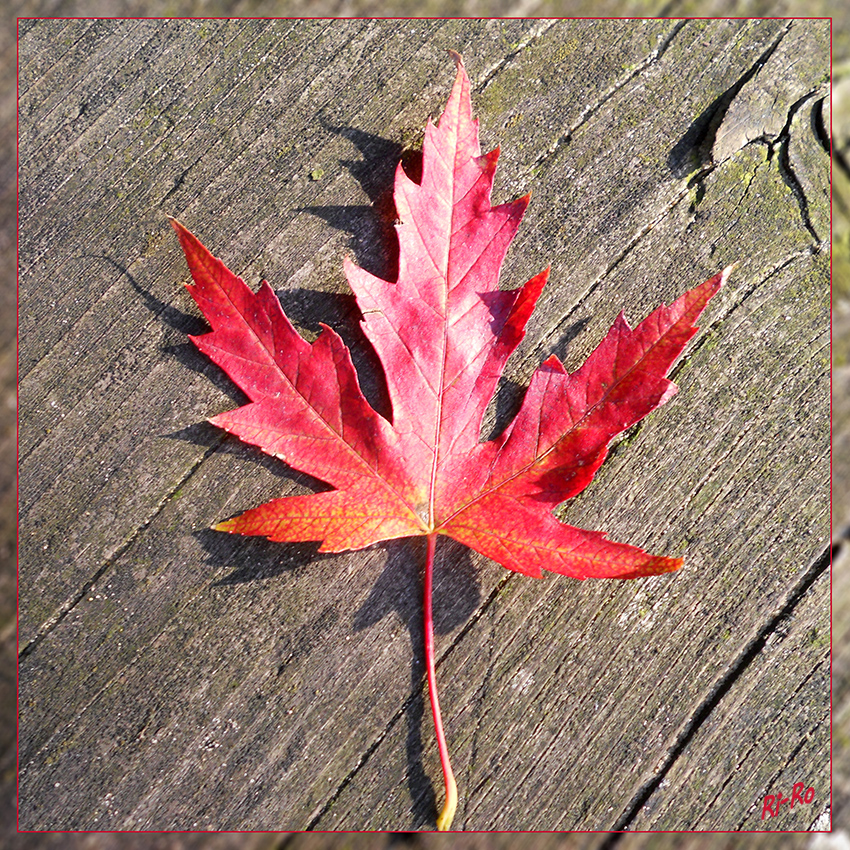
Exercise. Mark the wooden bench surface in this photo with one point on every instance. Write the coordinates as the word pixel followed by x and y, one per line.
pixel 176 678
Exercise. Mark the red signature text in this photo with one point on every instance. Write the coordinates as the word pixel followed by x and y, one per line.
pixel 773 802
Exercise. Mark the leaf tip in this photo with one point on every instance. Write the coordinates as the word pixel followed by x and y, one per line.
pixel 225 525
pixel 175 223
pixel 188 241
pixel 552 364
pixel 713 284
pixel 458 59
pixel 728 271
pixel 660 565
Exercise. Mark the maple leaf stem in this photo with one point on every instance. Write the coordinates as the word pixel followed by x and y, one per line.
pixel 444 821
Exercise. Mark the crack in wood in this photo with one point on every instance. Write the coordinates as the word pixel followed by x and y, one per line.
pixel 708 331
pixel 322 810
pixel 742 436
pixel 694 149
pixel 479 698
pixel 786 170
pixel 778 145
pixel 718 692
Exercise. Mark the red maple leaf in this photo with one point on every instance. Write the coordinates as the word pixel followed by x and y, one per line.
pixel 443 332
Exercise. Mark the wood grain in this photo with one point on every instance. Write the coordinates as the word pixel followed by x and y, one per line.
pixel 173 678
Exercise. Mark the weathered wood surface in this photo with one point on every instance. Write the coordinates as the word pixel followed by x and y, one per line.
pixel 175 678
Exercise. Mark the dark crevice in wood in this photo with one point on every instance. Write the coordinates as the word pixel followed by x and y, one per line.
pixel 707 335
pixel 781 145
pixel 180 179
pixel 709 331
pixel 470 623
pixel 786 170
pixel 367 754
pixel 693 150
pixel 636 239
pixel 170 317
pixel 479 699
pixel 719 691
pixel 629 435
pixel 821 131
